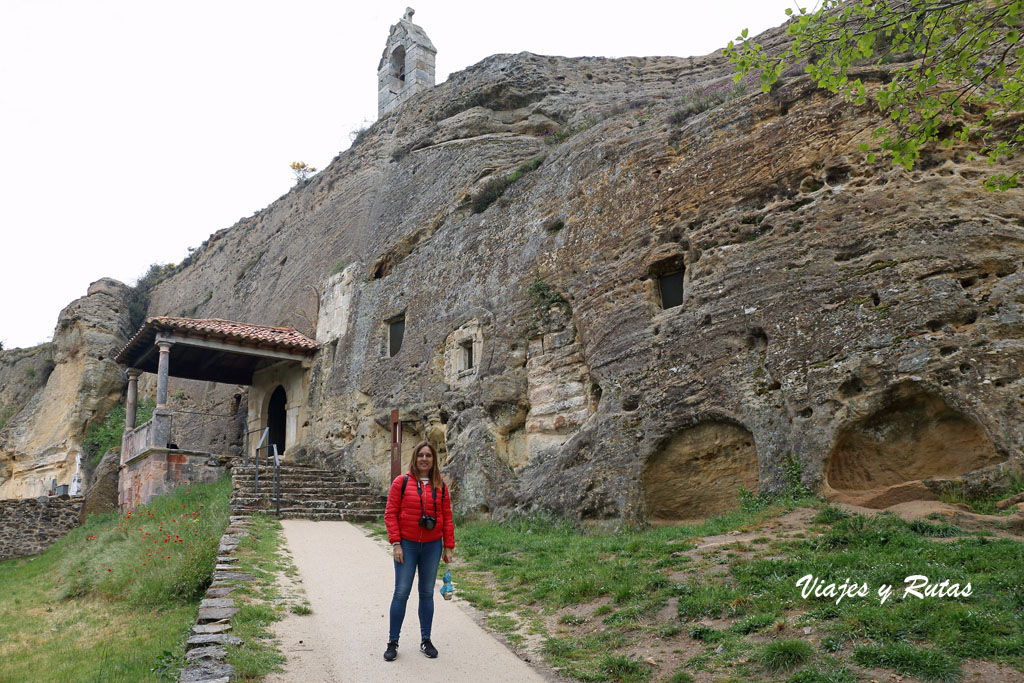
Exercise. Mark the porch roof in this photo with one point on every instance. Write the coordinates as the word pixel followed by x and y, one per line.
pixel 211 349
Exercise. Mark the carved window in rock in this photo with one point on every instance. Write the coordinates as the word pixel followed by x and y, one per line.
pixel 466 355
pixel 463 349
pixel 670 289
pixel 396 333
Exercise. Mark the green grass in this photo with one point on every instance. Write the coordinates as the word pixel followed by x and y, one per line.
pixel 549 565
pixel 96 607
pixel 260 603
pixel 956 492
pixel 784 655
pixel 931 665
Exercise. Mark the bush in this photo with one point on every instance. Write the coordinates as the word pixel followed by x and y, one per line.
pixel 138 299
pixel 495 187
pixel 100 437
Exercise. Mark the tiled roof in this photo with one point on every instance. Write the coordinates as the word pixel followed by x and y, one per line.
pixel 244 334
pixel 278 336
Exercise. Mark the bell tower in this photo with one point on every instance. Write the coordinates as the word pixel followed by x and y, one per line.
pixel 407 65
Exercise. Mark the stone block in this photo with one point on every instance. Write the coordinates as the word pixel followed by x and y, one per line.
pixel 207 614
pixel 207 671
pixel 206 639
pixel 216 603
pixel 207 652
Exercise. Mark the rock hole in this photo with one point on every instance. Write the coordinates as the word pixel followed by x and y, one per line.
pixel 851 387
pixel 948 350
pixel 630 402
pixel 879 460
pixel 806 412
pixel 699 472
pixel 965 368
pixel 774 386
pixel 875 299
pixel 443 417
pixel 934 325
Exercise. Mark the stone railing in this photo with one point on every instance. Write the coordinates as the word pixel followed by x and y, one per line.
pixel 29 525
pixel 152 434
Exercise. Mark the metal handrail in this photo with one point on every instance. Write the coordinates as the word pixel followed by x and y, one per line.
pixel 277 482
pixel 266 433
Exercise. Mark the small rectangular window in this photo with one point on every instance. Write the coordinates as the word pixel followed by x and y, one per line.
pixel 671 288
pixel 396 331
pixel 467 356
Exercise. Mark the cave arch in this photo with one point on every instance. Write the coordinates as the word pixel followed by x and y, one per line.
pixel 913 436
pixel 699 472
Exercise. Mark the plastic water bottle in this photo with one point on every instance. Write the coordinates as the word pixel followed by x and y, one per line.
pixel 447 589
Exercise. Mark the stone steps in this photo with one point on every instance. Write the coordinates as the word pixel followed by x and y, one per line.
pixel 249 489
pixel 306 493
pixel 329 516
pixel 267 503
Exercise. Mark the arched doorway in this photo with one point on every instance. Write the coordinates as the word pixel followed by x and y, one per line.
pixel 276 418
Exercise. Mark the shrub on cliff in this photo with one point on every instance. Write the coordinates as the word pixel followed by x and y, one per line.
pixel 100 437
pixel 138 300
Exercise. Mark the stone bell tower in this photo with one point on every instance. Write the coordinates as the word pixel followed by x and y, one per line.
pixel 407 65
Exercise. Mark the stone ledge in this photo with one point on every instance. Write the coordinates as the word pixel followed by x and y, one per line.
pixel 205 650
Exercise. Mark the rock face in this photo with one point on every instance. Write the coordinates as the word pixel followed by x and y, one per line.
pixel 676 298
pixel 101 492
pixel 829 309
pixel 40 443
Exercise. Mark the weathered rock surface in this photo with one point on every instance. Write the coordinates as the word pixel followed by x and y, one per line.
pixel 101 491
pixel 830 309
pixel 41 442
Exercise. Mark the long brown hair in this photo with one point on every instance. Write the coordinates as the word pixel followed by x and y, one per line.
pixel 435 470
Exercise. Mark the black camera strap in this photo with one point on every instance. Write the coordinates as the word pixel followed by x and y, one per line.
pixel 419 490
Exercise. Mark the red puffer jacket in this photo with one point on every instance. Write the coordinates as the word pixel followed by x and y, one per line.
pixel 402 514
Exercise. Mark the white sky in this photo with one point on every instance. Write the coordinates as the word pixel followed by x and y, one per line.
pixel 131 130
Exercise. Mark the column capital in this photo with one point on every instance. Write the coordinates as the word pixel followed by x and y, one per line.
pixel 164 346
pixel 133 373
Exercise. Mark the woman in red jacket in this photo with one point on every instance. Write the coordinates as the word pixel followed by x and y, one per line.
pixel 418 518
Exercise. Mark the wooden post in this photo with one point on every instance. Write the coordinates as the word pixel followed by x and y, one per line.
pixel 396 444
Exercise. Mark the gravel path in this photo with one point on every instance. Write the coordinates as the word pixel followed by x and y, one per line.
pixel 349 579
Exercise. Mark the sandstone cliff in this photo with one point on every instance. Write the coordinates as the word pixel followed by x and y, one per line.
pixel 77 384
pixel 866 320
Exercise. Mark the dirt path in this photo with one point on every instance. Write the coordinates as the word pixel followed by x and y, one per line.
pixel 348 579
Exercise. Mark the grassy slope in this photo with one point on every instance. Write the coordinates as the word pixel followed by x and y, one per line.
pixel 114 599
pixel 647 605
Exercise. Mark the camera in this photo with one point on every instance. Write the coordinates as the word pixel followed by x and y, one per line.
pixel 428 522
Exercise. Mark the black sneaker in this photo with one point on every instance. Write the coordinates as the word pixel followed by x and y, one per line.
pixel 392 651
pixel 428 648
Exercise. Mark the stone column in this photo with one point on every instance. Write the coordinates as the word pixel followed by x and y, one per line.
pixel 132 404
pixel 163 372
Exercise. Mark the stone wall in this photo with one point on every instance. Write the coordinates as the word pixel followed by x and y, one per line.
pixel 30 526
pixel 158 470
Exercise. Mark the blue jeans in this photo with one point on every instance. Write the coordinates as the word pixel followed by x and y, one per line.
pixel 424 557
